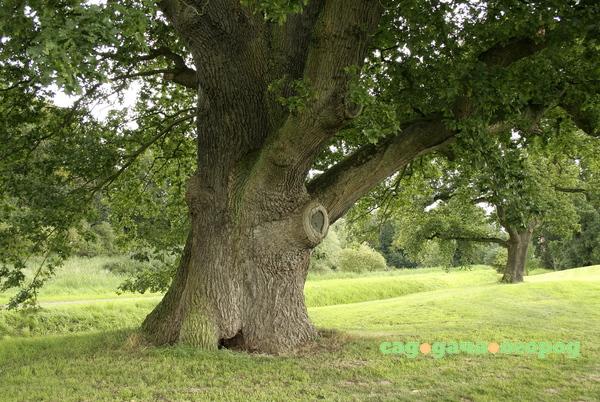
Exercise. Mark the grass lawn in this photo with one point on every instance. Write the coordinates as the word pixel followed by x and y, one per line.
pixel 83 351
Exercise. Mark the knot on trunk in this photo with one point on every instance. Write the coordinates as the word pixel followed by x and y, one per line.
pixel 315 222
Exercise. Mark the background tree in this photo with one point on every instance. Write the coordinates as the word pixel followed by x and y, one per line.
pixel 514 187
pixel 583 248
pixel 269 91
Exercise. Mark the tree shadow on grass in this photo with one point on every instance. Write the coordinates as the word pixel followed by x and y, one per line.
pixel 129 342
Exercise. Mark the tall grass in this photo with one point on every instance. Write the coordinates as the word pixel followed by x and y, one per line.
pixel 79 278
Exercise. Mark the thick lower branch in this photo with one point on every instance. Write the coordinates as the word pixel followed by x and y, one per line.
pixel 515 49
pixel 341 186
pixel 186 77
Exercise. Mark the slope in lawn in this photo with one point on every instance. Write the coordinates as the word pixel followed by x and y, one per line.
pixel 546 304
pixel 392 284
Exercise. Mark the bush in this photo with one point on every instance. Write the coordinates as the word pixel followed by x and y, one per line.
pixel 324 257
pixel 105 237
pixel 500 259
pixel 489 254
pixel 154 276
pixel 360 259
pixel 436 254
pixel 533 262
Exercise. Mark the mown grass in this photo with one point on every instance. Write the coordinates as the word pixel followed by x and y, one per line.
pixel 75 318
pixel 384 285
pixel 343 365
pixel 554 302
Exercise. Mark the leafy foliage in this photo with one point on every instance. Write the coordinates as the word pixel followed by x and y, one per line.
pixel 61 166
pixel 359 259
pixel 507 182
pixel 324 257
pixel 583 249
pixel 92 240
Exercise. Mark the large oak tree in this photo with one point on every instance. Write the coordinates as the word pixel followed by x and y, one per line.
pixel 300 108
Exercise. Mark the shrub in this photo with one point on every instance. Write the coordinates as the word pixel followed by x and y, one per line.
pixel 500 259
pixel 325 256
pixel 490 253
pixel 105 236
pixel 533 262
pixel 155 276
pixel 436 254
pixel 360 259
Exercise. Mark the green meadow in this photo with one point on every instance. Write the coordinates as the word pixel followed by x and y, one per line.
pixel 84 346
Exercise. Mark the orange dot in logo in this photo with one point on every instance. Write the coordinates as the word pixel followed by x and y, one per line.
pixel 425 348
pixel 493 347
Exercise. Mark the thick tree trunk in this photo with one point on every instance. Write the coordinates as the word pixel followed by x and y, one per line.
pixel 240 285
pixel 518 244
pixel 241 279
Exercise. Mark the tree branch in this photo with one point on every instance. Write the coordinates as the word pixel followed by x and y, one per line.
pixel 134 155
pixel 167 53
pixel 515 49
pixel 585 120
pixel 571 190
pixel 365 163
pixel 342 185
pixel 340 40
pixel 290 42
pixel 186 78
pixel 16 85
pixel 479 239
pixel 179 74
